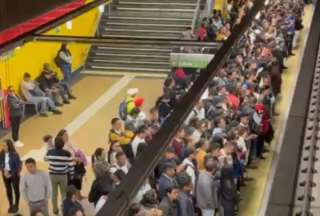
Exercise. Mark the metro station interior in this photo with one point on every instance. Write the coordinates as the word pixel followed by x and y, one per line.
pixel 160 107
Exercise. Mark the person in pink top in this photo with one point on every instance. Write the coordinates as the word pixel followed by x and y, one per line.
pixel 202 33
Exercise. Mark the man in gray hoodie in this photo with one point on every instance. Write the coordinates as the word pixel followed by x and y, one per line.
pixel 207 188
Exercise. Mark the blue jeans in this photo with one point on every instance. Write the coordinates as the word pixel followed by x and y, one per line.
pixel 67 74
pixel 207 212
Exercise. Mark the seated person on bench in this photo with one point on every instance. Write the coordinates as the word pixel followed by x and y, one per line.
pixel 50 84
pixel 32 93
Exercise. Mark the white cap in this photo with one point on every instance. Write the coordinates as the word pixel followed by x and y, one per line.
pixel 132 91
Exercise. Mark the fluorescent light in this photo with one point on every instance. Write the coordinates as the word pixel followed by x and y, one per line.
pixel 101 8
pixel 69 24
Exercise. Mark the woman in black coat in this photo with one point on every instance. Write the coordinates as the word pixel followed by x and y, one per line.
pixel 10 167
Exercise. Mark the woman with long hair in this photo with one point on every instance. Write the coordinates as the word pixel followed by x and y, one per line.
pixel 10 167
pixel 65 63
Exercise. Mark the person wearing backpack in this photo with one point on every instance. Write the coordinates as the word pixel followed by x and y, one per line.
pixel 127 105
pixel 64 61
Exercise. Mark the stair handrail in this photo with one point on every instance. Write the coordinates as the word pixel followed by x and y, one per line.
pixel 196 16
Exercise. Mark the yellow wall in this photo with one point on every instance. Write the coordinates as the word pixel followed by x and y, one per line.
pixel 220 5
pixel 31 56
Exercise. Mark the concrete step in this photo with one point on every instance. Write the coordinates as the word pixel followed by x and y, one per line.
pixel 136 57
pixel 140 35
pixel 140 26
pixel 141 31
pixel 162 1
pixel 126 69
pixel 132 50
pixel 151 9
pixel 151 14
pixel 147 20
pixel 156 6
pixel 117 62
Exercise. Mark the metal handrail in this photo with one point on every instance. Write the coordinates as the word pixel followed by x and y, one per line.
pixel 196 15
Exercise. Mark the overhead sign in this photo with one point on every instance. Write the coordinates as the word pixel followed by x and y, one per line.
pixel 190 60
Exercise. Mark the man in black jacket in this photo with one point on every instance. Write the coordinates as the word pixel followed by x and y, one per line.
pixel 15 105
pixel 50 84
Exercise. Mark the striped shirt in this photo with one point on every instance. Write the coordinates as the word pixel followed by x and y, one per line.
pixel 60 162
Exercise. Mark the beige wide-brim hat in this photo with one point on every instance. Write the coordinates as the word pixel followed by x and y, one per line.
pixel 132 91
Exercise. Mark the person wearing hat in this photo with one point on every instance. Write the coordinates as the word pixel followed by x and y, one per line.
pixel 130 100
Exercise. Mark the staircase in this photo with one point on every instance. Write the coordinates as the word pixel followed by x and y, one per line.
pixel 139 19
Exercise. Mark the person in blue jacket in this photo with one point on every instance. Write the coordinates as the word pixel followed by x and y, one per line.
pixel 10 167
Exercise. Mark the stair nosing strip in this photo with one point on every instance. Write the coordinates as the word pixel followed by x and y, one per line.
pixel 142 30
pixel 128 36
pixel 149 24
pixel 128 55
pixel 151 18
pixel 128 48
pixel 156 9
pixel 130 62
pixel 131 68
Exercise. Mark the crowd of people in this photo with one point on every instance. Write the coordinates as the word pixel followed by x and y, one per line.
pixel 202 170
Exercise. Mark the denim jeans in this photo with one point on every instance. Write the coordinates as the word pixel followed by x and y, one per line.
pixel 207 212
pixel 66 69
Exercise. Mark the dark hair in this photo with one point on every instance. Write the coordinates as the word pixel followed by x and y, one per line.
pixel 201 142
pixel 30 161
pixel 26 75
pixel 141 129
pixel 149 199
pixel 10 146
pixel 210 163
pixel 171 188
pixel 46 138
pixel 114 120
pixel 134 209
pixel 58 142
pixel 119 154
pixel 71 190
pixel 168 82
pixel 98 152
pixel 61 132
pixel 183 180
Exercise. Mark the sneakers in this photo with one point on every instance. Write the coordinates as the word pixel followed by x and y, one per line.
pixel 58 104
pixel 72 97
pixel 57 112
pixel 43 114
pixel 18 144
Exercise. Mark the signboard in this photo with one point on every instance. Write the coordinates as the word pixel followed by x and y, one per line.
pixel 190 60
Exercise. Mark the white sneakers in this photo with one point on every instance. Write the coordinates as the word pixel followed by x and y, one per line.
pixel 18 144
